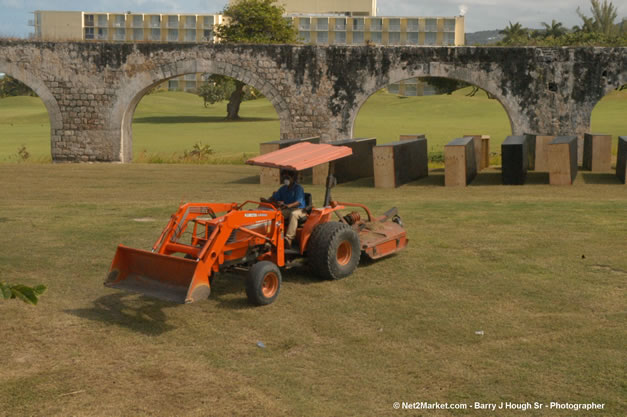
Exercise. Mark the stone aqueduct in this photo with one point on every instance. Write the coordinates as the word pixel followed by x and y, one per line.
pixel 91 90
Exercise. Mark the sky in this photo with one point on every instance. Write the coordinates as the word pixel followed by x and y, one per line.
pixel 480 14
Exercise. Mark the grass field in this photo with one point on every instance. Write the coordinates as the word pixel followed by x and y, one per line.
pixel 169 123
pixel 540 270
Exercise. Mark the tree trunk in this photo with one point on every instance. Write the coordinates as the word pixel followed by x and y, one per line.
pixel 232 109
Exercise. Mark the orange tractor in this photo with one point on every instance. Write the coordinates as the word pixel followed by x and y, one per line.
pixel 202 239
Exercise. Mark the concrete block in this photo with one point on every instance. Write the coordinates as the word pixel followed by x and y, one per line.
pixel 400 162
pixel 271 176
pixel 538 149
pixel 514 155
pixel 412 137
pixel 460 164
pixel 562 158
pixel 597 152
pixel 621 161
pixel 358 165
pixel 482 150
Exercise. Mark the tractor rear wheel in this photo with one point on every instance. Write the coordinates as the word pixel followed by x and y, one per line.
pixel 263 283
pixel 334 250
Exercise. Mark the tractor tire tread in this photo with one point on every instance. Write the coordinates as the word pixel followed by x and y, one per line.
pixel 254 283
pixel 322 251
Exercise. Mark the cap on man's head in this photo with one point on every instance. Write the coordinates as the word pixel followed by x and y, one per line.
pixel 287 172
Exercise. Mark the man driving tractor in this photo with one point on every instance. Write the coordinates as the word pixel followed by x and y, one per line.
pixel 290 198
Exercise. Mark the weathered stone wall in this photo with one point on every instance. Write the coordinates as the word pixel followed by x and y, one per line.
pixel 91 90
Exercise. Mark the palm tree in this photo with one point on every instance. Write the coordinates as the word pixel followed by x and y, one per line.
pixel 555 29
pixel 602 20
pixel 514 32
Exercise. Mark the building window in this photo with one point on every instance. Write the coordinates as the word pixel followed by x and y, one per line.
pixel 449 25
pixel 89 20
pixel 119 35
pixel 138 34
pixel 411 90
pixel 376 24
pixel 173 21
pixel 173 35
pixel 323 37
pixel 358 24
pixel 89 33
pixel 375 37
pixel 207 21
pixel 340 38
pixel 118 21
pixel 395 25
pixel 155 34
pixel 173 84
pixel 393 88
pixel 449 38
pixel 138 21
pixel 431 25
pixel 430 38
pixel 304 36
pixel 358 38
pixel 428 90
pixel 322 23
pixel 412 38
pixel 102 20
pixel 395 38
pixel 190 35
pixel 207 35
pixel 190 85
pixel 102 34
pixel 155 21
pixel 412 25
pixel 304 23
pixel 190 22
pixel 340 24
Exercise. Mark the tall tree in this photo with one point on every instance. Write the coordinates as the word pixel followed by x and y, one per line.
pixel 555 29
pixel 602 19
pixel 515 32
pixel 11 87
pixel 253 21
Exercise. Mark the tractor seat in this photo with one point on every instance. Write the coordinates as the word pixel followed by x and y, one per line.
pixel 307 209
pixel 308 203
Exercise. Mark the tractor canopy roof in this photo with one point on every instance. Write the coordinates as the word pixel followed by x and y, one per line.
pixel 301 156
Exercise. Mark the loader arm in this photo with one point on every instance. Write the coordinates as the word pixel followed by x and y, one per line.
pixel 227 238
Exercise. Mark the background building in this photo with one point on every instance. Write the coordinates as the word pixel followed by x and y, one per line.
pixel 321 22
pixel 124 27
pixel 347 7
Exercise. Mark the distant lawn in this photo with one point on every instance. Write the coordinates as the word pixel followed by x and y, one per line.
pixel 442 118
pixel 172 122
pixel 24 121
pixel 168 123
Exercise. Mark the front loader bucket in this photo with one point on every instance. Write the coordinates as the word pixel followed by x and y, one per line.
pixel 164 277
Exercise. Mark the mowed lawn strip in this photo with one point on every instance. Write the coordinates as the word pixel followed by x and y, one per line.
pixel 503 294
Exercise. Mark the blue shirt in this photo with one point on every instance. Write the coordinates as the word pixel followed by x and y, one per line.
pixel 289 195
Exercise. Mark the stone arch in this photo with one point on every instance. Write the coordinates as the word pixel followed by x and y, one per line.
pixel 43 92
pixel 610 84
pixel 480 79
pixel 133 89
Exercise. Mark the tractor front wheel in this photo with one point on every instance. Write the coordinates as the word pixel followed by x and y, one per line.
pixel 334 250
pixel 263 283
